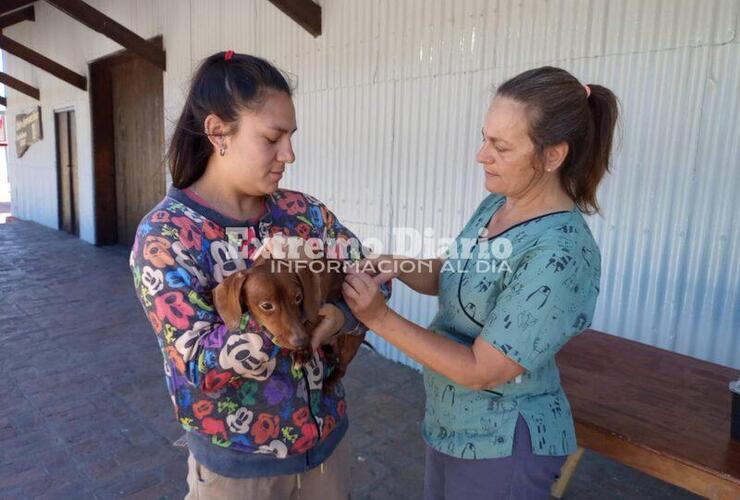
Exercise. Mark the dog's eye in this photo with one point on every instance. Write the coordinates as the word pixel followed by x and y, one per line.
pixel 298 298
pixel 267 306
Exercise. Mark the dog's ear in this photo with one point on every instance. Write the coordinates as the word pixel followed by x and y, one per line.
pixel 313 293
pixel 227 298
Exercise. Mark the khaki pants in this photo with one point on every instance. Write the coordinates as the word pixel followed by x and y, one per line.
pixel 329 481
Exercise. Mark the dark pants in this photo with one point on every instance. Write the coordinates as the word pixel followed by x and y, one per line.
pixel 523 475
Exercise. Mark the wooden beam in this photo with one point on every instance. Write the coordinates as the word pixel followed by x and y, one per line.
pixel 304 12
pixel 3 101
pixel 11 5
pixel 43 62
pixel 96 20
pixel 17 16
pixel 20 86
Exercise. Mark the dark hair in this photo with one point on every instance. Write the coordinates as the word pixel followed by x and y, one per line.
pixel 560 110
pixel 223 86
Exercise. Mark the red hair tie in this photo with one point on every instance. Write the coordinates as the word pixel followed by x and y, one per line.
pixel 228 55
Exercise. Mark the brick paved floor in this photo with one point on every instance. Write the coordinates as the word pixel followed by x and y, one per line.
pixel 85 413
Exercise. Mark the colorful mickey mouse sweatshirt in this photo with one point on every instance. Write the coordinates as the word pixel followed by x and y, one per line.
pixel 247 410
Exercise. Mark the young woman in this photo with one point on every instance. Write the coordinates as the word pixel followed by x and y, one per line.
pixel 258 427
pixel 497 422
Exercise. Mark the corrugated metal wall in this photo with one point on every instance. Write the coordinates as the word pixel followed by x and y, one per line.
pixel 390 102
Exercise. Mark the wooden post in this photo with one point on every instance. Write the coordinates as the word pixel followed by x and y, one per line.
pixel 569 468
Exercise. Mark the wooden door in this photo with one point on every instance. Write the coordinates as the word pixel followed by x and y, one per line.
pixel 138 138
pixel 67 184
pixel 127 107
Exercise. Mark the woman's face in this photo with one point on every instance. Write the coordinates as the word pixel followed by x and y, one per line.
pixel 261 147
pixel 507 153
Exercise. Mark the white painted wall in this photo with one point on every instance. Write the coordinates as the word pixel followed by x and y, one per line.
pixel 390 102
pixel 4 183
pixel 57 36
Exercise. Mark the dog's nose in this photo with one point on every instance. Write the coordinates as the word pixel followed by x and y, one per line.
pixel 299 342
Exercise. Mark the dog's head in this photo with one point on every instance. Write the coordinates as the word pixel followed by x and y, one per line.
pixel 283 298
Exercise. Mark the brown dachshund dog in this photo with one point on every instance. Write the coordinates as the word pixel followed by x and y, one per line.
pixel 285 297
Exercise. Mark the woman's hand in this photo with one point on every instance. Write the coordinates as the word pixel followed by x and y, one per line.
pixel 362 294
pixel 332 320
pixel 381 267
pixel 421 275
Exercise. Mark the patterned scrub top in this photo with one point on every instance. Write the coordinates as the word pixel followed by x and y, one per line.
pixel 526 291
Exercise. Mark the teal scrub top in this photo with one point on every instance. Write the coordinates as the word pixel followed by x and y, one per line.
pixel 526 291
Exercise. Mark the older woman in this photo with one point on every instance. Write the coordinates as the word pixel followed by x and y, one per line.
pixel 497 423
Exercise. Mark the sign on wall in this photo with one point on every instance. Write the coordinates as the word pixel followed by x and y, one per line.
pixel 27 130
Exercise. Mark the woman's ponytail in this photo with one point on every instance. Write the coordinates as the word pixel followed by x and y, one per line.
pixel 561 109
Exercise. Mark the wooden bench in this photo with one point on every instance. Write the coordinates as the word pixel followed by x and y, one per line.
pixel 663 413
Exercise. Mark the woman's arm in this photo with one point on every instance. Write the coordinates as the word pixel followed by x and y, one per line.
pixel 477 367
pixel 172 290
pixel 504 348
pixel 421 275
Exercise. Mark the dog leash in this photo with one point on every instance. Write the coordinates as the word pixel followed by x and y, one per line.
pixel 368 344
